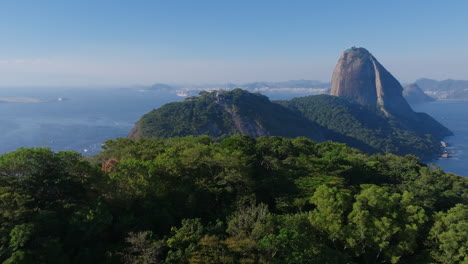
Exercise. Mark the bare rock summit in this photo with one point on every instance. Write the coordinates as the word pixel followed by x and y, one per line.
pixel 359 77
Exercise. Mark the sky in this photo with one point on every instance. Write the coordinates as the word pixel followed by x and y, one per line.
pixel 118 43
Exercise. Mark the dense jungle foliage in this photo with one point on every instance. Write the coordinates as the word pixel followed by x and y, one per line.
pixel 239 200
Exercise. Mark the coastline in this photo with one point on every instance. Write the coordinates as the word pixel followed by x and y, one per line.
pixel 446 154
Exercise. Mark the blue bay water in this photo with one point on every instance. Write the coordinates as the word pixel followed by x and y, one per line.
pixel 80 122
pixel 453 115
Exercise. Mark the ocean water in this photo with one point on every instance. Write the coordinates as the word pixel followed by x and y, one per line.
pixel 82 121
pixel 454 115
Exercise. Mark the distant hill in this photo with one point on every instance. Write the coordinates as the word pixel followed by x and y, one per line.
pixel 224 113
pixel 285 84
pixel 414 95
pixel 446 89
pixel 160 87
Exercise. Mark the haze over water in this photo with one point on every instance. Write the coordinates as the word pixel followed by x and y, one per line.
pixel 81 122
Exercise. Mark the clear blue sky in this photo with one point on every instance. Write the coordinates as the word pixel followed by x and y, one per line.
pixel 100 42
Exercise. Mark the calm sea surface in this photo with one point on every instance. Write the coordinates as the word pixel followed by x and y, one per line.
pixel 84 119
pixel 454 115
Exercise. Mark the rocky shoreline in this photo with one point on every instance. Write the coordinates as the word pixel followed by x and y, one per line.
pixel 445 153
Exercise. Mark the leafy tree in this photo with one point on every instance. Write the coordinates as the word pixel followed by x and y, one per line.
pixel 333 205
pixel 184 240
pixel 437 191
pixel 246 226
pixel 384 224
pixel 211 250
pixel 40 191
pixel 143 249
pixel 449 235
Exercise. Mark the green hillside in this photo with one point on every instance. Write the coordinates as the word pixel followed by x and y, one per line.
pixel 369 129
pixel 220 114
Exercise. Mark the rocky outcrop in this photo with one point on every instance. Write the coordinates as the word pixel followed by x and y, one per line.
pixel 358 76
pixel 414 95
pixel 245 126
pixel 135 132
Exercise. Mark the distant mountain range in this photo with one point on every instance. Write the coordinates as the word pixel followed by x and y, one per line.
pixel 286 84
pixel 446 89
pixel 311 86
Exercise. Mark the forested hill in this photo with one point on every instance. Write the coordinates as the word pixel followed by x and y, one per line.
pixel 240 200
pixel 223 113
pixel 368 128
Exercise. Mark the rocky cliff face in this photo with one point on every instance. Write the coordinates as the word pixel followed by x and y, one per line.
pixel 245 126
pixel 414 95
pixel 135 132
pixel 359 77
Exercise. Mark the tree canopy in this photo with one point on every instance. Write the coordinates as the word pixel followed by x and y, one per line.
pixel 238 200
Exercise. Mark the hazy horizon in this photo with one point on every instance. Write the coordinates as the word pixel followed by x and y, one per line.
pixel 177 85
pixel 121 43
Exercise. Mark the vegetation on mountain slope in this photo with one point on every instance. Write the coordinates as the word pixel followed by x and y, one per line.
pixel 221 114
pixel 369 129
